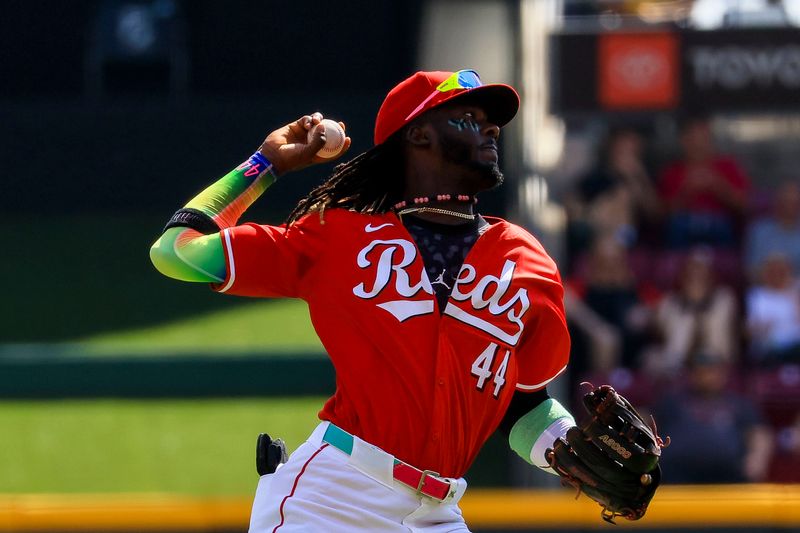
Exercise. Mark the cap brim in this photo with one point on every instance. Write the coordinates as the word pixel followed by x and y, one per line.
pixel 500 101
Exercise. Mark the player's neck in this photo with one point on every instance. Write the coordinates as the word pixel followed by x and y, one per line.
pixel 444 217
pixel 439 207
pixel 447 195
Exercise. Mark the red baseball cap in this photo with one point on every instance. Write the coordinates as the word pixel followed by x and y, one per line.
pixel 425 90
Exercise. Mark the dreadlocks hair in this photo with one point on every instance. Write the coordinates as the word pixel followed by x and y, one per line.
pixel 371 182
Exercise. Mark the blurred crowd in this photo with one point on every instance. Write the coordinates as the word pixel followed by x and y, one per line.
pixel 683 292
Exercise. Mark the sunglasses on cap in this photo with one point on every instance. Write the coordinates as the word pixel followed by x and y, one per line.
pixel 463 79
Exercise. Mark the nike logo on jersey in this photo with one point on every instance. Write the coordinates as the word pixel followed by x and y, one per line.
pixel 369 228
pixel 389 260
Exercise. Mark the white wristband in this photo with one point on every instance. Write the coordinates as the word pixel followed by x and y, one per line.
pixel 546 439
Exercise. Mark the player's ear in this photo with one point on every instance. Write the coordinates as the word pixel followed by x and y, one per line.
pixel 419 134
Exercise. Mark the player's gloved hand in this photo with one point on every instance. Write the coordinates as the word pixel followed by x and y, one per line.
pixel 613 458
pixel 288 148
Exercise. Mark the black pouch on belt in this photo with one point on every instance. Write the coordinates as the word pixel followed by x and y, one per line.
pixel 269 454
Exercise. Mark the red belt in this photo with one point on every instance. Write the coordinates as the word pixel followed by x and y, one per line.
pixel 424 482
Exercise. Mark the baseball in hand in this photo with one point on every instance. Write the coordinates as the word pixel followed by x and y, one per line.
pixel 334 139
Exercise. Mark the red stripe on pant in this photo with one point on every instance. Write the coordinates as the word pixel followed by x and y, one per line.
pixel 294 486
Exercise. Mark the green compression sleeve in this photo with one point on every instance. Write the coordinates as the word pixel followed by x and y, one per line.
pixel 539 427
pixel 188 255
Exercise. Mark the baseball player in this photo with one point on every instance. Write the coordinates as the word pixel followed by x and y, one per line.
pixel 443 325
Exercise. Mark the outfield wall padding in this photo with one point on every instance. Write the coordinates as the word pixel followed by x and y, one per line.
pixel 166 377
pixel 719 508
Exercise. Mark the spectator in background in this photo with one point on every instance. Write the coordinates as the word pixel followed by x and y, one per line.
pixel 698 315
pixel 618 198
pixel 705 192
pixel 773 312
pixel 608 308
pixel 596 344
pixel 786 463
pixel 737 444
pixel 779 232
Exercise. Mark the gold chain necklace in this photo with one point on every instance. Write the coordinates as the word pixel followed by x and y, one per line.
pixel 436 211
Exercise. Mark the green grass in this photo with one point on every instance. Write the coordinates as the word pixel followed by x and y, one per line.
pixel 84 276
pixel 197 447
pixel 276 325
pixel 85 282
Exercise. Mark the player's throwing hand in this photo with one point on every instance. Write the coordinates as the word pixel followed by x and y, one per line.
pixel 289 148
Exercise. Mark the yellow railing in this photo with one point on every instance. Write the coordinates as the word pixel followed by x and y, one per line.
pixel 674 506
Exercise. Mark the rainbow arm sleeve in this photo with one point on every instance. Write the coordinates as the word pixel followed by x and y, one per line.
pixel 187 254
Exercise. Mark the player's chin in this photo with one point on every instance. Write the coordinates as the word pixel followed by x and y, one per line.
pixel 491 176
pixel 497 176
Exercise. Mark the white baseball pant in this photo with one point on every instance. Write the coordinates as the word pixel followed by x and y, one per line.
pixel 322 489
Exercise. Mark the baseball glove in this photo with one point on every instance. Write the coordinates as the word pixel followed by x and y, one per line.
pixel 613 457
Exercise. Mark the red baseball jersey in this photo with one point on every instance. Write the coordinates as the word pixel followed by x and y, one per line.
pixel 427 385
